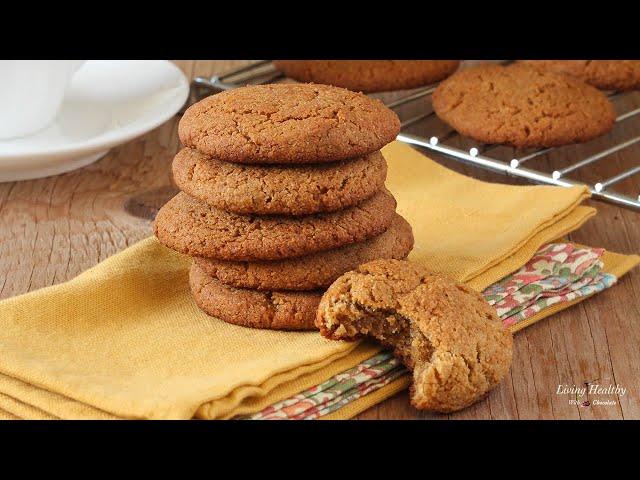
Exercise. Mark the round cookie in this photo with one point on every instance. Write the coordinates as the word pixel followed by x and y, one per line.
pixel 620 75
pixel 250 308
pixel 194 228
pixel 446 333
pixel 288 124
pixel 314 271
pixel 521 106
pixel 369 75
pixel 276 189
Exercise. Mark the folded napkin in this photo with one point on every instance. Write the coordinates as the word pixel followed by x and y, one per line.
pixel 473 231
pixel 557 273
pixel 125 340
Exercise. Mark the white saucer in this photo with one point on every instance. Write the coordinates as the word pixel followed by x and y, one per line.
pixel 108 103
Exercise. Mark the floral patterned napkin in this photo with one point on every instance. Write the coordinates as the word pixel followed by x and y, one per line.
pixel 558 273
pixel 336 392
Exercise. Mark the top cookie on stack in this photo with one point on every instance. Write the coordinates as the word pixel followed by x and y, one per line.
pixel 282 192
pixel 288 124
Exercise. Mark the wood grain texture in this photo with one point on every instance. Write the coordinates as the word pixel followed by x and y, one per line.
pixel 54 228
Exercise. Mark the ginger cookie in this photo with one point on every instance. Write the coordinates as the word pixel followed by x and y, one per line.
pixel 288 124
pixel 620 75
pixel 250 308
pixel 278 189
pixel 194 228
pixel 314 271
pixel 520 106
pixel 369 75
pixel 446 333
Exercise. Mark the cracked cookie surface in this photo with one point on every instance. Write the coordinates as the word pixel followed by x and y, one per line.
pixel 194 228
pixel 288 123
pixel 251 308
pixel 312 271
pixel 278 189
pixel 620 75
pixel 369 75
pixel 520 106
pixel 446 333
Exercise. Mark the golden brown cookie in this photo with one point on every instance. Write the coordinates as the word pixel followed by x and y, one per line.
pixel 288 124
pixel 369 75
pixel 250 308
pixel 618 75
pixel 278 189
pixel 314 271
pixel 446 333
pixel 520 106
pixel 194 228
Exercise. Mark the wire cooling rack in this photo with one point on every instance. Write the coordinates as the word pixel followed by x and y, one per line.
pixel 263 71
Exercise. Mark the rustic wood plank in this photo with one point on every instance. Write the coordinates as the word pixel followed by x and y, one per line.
pixel 543 367
pixel 502 401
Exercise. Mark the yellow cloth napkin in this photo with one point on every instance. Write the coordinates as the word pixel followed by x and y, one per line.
pixel 474 231
pixel 124 339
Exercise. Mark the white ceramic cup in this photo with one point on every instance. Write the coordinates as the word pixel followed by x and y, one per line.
pixel 31 93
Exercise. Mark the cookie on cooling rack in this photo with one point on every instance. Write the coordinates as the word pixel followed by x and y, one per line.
pixel 620 75
pixel 369 75
pixel 521 106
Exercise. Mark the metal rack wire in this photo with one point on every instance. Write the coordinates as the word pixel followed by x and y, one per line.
pixel 263 72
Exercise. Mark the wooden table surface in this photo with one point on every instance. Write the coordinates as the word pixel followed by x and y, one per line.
pixel 54 228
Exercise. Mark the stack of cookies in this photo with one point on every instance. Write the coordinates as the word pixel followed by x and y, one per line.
pixel 282 192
